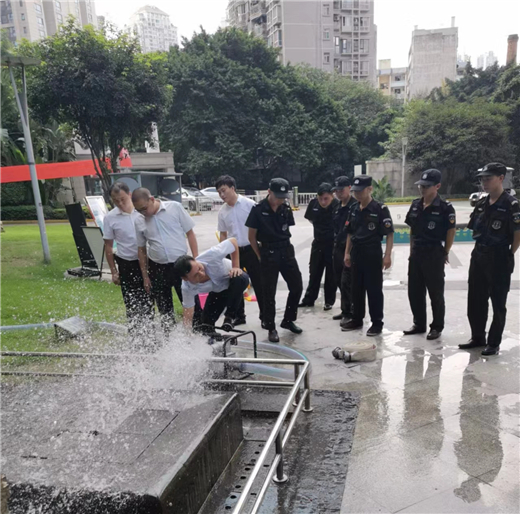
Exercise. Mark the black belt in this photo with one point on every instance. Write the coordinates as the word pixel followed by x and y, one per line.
pixel 275 246
pixel 244 247
pixel 486 249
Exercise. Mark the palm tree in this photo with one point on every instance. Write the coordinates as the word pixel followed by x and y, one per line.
pixel 382 190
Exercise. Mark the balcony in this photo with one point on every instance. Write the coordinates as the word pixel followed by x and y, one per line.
pixel 257 11
pixel 337 25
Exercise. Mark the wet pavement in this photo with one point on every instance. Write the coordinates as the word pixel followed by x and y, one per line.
pixel 438 428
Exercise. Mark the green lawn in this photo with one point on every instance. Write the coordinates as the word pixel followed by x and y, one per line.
pixel 32 292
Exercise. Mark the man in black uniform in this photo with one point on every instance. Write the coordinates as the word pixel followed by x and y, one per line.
pixel 269 235
pixel 341 272
pixel 368 222
pixel 496 229
pixel 432 223
pixel 320 212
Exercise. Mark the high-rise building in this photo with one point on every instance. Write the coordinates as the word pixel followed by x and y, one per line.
pixel 432 59
pixel 154 29
pixel 391 81
pixel 328 35
pixel 486 60
pixel 36 19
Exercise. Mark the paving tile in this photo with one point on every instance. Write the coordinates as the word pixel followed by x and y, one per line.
pixel 472 496
pixel 356 502
pixel 396 475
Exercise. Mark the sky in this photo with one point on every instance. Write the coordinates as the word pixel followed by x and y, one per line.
pixel 483 24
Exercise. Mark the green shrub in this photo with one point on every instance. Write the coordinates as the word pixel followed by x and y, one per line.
pixel 15 193
pixel 28 212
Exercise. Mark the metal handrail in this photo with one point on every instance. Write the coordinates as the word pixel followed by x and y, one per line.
pixel 276 434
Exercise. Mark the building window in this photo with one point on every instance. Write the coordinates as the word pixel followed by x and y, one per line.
pixel 60 17
pixel 397 91
pixel 356 67
pixel 23 16
pixel 25 30
pixel 58 6
pixel 347 46
pixel 356 45
pixel 336 45
pixel 383 86
pixel 42 33
pixel 364 23
pixel 12 33
pixel 21 3
pixel 38 7
pixel 40 21
pixel 326 34
pixel 326 9
pixel 326 58
pixel 397 78
pixel 364 67
pixel 346 22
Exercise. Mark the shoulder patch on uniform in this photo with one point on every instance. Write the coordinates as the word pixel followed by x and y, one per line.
pixel 516 217
pixel 451 217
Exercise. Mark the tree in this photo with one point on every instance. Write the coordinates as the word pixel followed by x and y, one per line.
pixel 100 84
pixel 234 101
pixel 454 137
pixel 382 190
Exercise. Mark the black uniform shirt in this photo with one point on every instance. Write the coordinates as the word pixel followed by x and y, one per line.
pixel 430 225
pixel 368 226
pixel 494 225
pixel 340 219
pixel 272 227
pixel 321 219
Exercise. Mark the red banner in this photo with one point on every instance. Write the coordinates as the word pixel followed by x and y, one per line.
pixel 53 170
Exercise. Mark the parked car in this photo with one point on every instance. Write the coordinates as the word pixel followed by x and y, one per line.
pixel 212 193
pixel 192 196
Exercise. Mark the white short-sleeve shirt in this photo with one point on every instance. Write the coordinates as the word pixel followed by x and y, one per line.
pixel 119 226
pixel 233 219
pixel 217 267
pixel 165 232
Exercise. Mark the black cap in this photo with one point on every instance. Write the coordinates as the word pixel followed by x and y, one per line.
pixel 491 169
pixel 341 182
pixel 361 182
pixel 430 177
pixel 324 187
pixel 279 187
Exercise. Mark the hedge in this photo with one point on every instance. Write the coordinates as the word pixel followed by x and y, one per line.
pixel 28 212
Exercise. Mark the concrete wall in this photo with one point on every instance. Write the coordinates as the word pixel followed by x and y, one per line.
pixel 392 169
pixel 432 59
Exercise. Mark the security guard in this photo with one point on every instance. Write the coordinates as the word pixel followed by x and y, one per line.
pixel 496 229
pixel 342 274
pixel 432 223
pixel 368 222
pixel 320 212
pixel 270 238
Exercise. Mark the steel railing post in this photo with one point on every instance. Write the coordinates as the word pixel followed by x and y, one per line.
pixel 307 386
pixel 280 477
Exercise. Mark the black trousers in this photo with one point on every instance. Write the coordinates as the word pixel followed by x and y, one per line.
pixel 163 277
pixel 343 277
pixel 367 280
pixel 139 305
pixel 275 261
pixel 229 299
pixel 490 272
pixel 426 273
pixel 250 262
pixel 321 260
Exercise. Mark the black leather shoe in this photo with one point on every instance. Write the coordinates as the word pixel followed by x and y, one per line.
pixel 305 304
pixel 337 317
pixel 351 325
pixel 344 321
pixel 289 325
pixel 472 343
pixel 433 334
pixel 490 350
pixel 374 330
pixel 239 321
pixel 228 324
pixel 327 307
pixel 273 336
pixel 414 330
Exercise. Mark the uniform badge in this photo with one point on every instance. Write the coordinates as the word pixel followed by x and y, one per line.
pixel 282 188
pixel 387 222
pixel 451 217
pixel 371 226
pixel 431 225
pixel 516 217
pixel 425 176
pixel 347 223
pixel 356 181
pixel 496 224
pixel 284 227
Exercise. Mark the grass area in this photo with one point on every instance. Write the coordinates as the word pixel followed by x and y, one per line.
pixel 33 292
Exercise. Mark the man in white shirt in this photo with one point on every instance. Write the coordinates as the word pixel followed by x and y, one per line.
pixel 119 226
pixel 214 274
pixel 232 223
pixel 164 227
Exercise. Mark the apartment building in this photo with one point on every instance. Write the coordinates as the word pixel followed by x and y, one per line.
pixel 432 59
pixel 391 81
pixel 36 19
pixel 329 35
pixel 154 29
pixel 486 60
